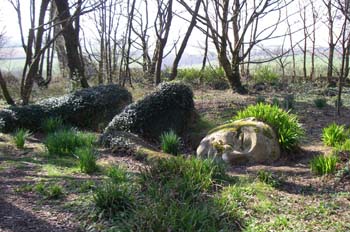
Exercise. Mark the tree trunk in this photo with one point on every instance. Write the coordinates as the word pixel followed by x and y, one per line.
pixel 5 91
pixel 71 37
pixel 184 42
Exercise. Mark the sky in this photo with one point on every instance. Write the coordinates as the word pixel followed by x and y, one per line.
pixel 8 20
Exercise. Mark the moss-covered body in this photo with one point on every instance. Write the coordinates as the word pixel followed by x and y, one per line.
pixel 86 108
pixel 170 107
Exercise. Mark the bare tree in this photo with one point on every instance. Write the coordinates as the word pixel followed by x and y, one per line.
pixel 3 84
pixel 70 33
pixel 162 26
pixel 303 17
pixel 228 31
pixel 185 40
pixel 344 7
pixel 292 47
pixel 313 39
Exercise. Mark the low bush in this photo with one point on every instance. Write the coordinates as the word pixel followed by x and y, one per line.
pixel 322 165
pixel 170 142
pixel 333 135
pixel 287 125
pixel 20 137
pixel 320 102
pixel 87 159
pixel 66 141
pixel 265 75
pixel 50 125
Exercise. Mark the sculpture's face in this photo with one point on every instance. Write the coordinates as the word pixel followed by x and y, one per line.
pixel 238 144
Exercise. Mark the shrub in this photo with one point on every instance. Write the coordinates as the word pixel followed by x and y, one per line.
pixel 51 125
pixel 86 108
pixel 171 106
pixel 111 198
pixel 170 142
pixel 333 135
pixel 87 159
pixel 64 142
pixel 322 164
pixel 20 137
pixel 320 102
pixel 287 126
pixel 265 75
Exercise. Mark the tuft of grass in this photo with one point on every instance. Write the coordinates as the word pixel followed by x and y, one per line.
pixel 287 125
pixel 51 125
pixel 320 102
pixel 111 198
pixel 54 192
pixel 87 159
pixel 50 191
pixel 333 135
pixel 66 141
pixel 260 99
pixel 177 194
pixel 170 142
pixel 185 177
pixel 322 165
pixel 20 137
pixel 288 102
pixel 275 102
pixel 267 178
pixel 117 174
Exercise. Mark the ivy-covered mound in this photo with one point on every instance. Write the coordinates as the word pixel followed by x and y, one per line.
pixel 170 107
pixel 86 108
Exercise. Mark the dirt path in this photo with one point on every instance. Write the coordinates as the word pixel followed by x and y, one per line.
pixel 24 211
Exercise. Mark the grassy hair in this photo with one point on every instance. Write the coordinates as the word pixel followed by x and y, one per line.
pixel 20 137
pixel 287 125
pixel 170 142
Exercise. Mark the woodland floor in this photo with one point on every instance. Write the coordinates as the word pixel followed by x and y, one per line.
pixel 304 202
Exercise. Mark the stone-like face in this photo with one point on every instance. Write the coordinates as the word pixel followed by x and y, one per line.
pixel 243 141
